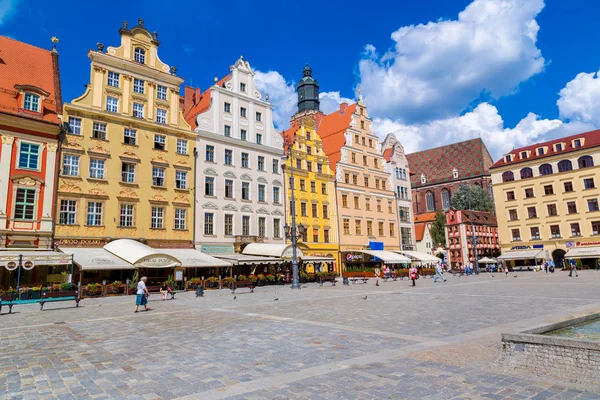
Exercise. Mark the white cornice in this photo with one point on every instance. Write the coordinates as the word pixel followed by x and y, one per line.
pixel 261 148
pixel 126 66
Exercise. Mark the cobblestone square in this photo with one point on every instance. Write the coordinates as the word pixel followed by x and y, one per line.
pixel 433 341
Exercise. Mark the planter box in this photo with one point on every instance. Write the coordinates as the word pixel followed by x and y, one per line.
pixel 35 295
pixel 25 296
pixel 368 274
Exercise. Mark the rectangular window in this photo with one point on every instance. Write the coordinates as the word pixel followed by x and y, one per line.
pixel 261 193
pixel 319 168
pixel 592 204
pixel 127 172
pixel 392 229
pixel 315 212
pixel 243 135
pixel 355 179
pixel 309 166
pixel 345 200
pixel 180 218
pixel 303 185
pixel 588 183
pixel 275 166
pixel 516 235
pixel 356 202
pixel 309 150
pixel 181 146
pixel 209 228
pixel 529 193
pixel 512 215
pixel 548 189
pixel 370 228
pixel 535 233
pixel 303 209
pixel 229 188
pixel 379 205
pixel 568 187
pixel 138 85
pixel 75 126
pixel 245 191
pixel 325 235
pixel 99 131
pixel 157 218
pixel 313 187
pixel 228 157
pixel 381 229
pixel 258 117
pixel 552 211
pixel 161 116
pixel 276 195
pixel 94 213
pixel 180 179
pixel 376 183
pixel 531 212
pixel 510 195
pixel 129 136
pixel 325 212
pixel 70 165
pixel 245 160
pixel 112 104
pixel 96 168
pixel 366 181
pixel 210 153
pixel 67 212
pixel 25 204
pixel 555 231
pixel 262 229
pixel 357 227
pixel 246 225
pixel 595 227
pixel 346 226
pixel 160 142
pixel 323 188
pixel 138 110
pixel 353 157
pixel 242 112
pixel 242 87
pixel 577 143
pixel 161 94
pixel 227 130
pixel 316 235
pixel 259 138
pixel 368 204
pixel 575 229
pixel 227 107
pixel 228 225
pixel 113 79
pixel 571 207
pixel 276 228
pixel 346 178
pixel 261 163
pixel 31 102
pixel 209 186
pixel 158 176
pixel 126 215
pixel 390 210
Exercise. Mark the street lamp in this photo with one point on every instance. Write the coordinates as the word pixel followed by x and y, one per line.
pixel 292 231
pixel 473 239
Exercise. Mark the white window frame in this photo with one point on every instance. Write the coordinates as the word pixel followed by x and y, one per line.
pixel 68 212
pixel 180 179
pixel 70 165
pixel 161 116
pixel 209 226
pixel 249 230
pixel 32 102
pixel 127 216
pixel 262 198
pixel 138 85
pixel 138 110
pixel 259 138
pixel 99 127
pixel 243 112
pixel 160 140
pixel 182 146
pixel 112 104
pixel 157 219
pixel 139 55
pixel 161 92
pixel 261 163
pixel 74 126
pixel 225 217
pixel 230 158
pixel 258 116
pixel 113 79
pixel 246 185
pixel 262 226
pixel 94 211
pixel 227 107
pixel 227 131
pixel 130 174
pixel 209 180
pixel 276 194
pixel 158 176
pixel 130 134
pixel 180 219
pixel 232 191
pixel 97 172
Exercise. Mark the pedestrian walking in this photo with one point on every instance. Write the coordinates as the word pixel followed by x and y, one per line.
pixel 573 267
pixel 506 271
pixel 551 266
pixel 393 273
pixel 413 275
pixel 598 268
pixel 438 272
pixel 377 275
pixel 142 294
pixel 546 266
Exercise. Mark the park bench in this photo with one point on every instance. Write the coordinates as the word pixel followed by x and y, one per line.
pixel 355 279
pixel 329 278
pixel 242 284
pixel 156 289
pixel 48 297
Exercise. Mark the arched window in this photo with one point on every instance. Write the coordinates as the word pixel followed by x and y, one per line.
pixel 564 165
pixel 585 162
pixel 139 55
pixel 545 169
pixel 430 201
pixel 445 199
pixel 526 173
pixel 508 176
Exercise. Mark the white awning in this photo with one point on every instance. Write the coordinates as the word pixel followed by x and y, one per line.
pixel 487 260
pixel 583 252
pixel 272 250
pixel 32 258
pixel 140 255
pixel 95 258
pixel 388 257
pixel 193 258
pixel 418 256
pixel 312 259
pixel 521 254
pixel 241 259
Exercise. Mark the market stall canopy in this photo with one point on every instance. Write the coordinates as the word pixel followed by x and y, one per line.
pixel 95 258
pixel 10 258
pixel 418 256
pixel 388 257
pixel 521 254
pixel 487 260
pixel 272 250
pixel 195 259
pixel 583 252
pixel 242 259
pixel 140 255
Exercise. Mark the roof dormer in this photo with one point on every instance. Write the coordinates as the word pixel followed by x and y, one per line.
pixel 423 179
pixel 559 146
pixel 576 143
pixel 525 154
pixel 540 151
pixel 508 158
pixel 31 98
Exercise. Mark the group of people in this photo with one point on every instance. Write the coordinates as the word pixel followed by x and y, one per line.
pixel 413 273
pixel 142 294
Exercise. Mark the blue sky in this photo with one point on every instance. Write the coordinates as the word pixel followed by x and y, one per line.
pixel 510 71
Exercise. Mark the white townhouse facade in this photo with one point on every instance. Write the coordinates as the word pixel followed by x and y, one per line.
pixel 239 180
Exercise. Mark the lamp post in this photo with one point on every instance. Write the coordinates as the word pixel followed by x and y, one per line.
pixel 292 231
pixel 474 240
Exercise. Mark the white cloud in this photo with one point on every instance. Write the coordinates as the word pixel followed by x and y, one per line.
pixel 7 9
pixel 484 121
pixel 437 69
pixel 580 99
pixel 281 94
pixel 330 101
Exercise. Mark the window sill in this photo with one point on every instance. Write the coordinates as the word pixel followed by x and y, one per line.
pixel 183 190
pixel 592 211
pixel 516 240
pixel 99 139
pixel 71 177
pixel 548 194
pixel 68 224
pixel 210 235
pixel 261 202
pixel 210 162
pixel 180 230
pixel 99 180
pixel 230 198
pixel 530 218
pixel 132 184
pixel 245 168
pixel 576 236
pixel 210 196
pixel 229 165
pixel 246 200
pixel 556 237
pixel 126 227
pixel 158 229
pixel 94 226
pixel 158 187
pixel 162 150
pixel 130 144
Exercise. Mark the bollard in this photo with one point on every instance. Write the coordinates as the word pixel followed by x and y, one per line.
pixel 199 291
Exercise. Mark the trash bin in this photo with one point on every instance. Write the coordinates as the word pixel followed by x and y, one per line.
pixel 346 281
pixel 199 291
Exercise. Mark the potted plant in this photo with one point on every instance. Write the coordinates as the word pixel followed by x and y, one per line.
pixel 65 287
pixel 193 283
pixel 56 287
pixel 93 289
pixel 212 282
pixel 24 293
pixel 242 278
pixel 260 280
pixel 11 293
pixel 117 287
pixel 171 282
pixel 228 281
pixel 270 279
pixel 133 283
pixel 36 292
pixel 45 289
pixel 303 276
pixel 253 278
pixel 280 279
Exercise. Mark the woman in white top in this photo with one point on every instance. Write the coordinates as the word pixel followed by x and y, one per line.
pixel 142 295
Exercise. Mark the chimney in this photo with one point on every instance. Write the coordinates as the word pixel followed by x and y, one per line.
pixel 188 94
pixel 343 107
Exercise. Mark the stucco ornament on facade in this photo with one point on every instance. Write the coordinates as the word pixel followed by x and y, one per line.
pixel 8 139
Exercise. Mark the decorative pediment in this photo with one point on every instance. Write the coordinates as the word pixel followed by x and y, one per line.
pixel 158 160
pixel 262 210
pixel 229 174
pixel 262 180
pixel 69 188
pixel 277 212
pixel 99 151
pixel 277 183
pixel 129 156
pixel 158 198
pixel 246 209
pixel 26 180
pixel 73 147
pixel 181 164
pixel 97 192
pixel 128 193
pixel 210 206
pixel 229 207
pixel 182 200
pixel 210 172
pixel 246 177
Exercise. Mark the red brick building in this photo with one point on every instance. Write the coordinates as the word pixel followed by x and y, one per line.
pixel 436 173
pixel 460 225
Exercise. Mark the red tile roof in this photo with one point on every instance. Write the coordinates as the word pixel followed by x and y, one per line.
pixel 470 158
pixel 196 103
pixel 426 217
pixel 590 139
pixel 419 231
pixel 22 64
pixel 387 154
pixel 331 130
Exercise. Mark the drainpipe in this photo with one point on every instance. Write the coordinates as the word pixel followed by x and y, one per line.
pixel 337 211
pixel 61 137
pixel 398 216
pixel 195 194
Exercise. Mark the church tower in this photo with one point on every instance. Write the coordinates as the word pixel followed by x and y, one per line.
pixel 308 92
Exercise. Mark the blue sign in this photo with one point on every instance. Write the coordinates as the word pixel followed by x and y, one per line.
pixel 538 246
pixel 375 245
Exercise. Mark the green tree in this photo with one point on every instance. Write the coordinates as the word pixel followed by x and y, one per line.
pixel 438 230
pixel 480 199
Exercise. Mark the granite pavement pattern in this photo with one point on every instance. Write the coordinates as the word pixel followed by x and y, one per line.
pixel 434 341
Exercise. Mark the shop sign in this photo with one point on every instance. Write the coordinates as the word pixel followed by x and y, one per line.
pixel 208 249
pixel 157 262
pixel 570 244
pixel 538 246
pixel 520 247
pixel 354 257
pixel 80 242
pixel 376 245
pixel 408 247
pixel 587 243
